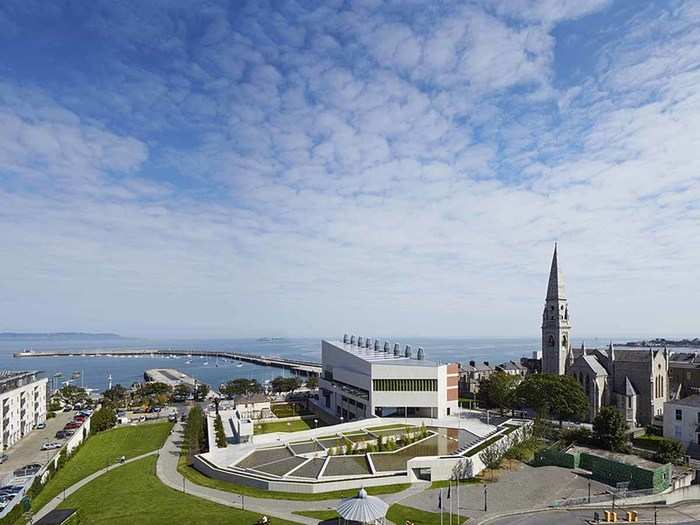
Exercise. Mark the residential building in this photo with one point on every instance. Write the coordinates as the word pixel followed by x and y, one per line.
pixel 512 368
pixel 23 402
pixel 682 422
pixel 361 378
pixel 635 380
pixel 470 374
pixel 684 373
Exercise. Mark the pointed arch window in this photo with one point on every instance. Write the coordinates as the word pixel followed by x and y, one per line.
pixel 564 341
pixel 550 341
pixel 588 385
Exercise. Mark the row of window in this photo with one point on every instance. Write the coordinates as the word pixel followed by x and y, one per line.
pixel 679 415
pixel 404 385
pixel 352 402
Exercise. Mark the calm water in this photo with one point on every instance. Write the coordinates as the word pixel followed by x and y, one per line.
pixel 125 371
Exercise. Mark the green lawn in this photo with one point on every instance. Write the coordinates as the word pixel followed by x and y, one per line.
pixel 397 513
pixel 133 494
pixel 286 426
pixel 400 513
pixel 443 484
pixel 289 410
pixel 197 477
pixel 322 515
pixel 395 426
pixel 103 449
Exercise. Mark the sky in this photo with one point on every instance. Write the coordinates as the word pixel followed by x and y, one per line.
pixel 235 169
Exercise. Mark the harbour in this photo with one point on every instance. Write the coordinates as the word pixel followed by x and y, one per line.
pixel 304 368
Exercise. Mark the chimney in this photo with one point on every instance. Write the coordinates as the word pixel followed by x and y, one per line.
pixel 360 341
pixel 407 352
pixel 397 352
pixel 376 345
pixel 352 339
pixel 367 342
pixel 487 363
pixel 421 354
pixel 472 363
pixel 345 339
pixel 386 346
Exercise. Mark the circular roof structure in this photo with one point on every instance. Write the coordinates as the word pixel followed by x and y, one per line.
pixel 362 508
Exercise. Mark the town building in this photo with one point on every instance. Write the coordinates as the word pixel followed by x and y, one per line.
pixel 635 380
pixel 23 401
pixel 512 369
pixel 682 422
pixel 361 378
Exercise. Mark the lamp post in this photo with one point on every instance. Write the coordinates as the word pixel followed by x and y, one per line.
pixel 486 499
pixel 315 423
pixel 589 491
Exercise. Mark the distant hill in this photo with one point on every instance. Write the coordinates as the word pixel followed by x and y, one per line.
pixel 57 336
pixel 660 341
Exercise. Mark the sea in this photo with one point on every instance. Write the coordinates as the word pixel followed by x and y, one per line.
pixel 94 372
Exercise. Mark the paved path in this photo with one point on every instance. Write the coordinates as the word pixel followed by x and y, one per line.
pixel 70 490
pixel 166 470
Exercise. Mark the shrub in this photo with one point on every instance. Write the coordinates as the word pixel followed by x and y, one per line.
pixel 670 451
pixel 50 415
pixel 581 436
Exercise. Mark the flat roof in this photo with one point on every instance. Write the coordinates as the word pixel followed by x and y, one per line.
pixel 690 401
pixel 379 356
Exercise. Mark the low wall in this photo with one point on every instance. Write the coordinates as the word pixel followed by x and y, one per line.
pixel 209 470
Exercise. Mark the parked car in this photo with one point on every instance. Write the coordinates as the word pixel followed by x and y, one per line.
pixel 40 426
pixel 71 426
pixel 3 458
pixel 79 418
pixel 183 417
pixel 52 445
pixel 27 470
pixel 67 408
pixel 11 489
pixel 172 418
pixel 61 434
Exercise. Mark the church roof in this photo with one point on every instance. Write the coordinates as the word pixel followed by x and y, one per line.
pixel 594 365
pixel 555 288
pixel 632 354
pixel 629 389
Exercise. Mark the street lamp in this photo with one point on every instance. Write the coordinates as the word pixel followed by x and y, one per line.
pixel 315 423
pixel 486 499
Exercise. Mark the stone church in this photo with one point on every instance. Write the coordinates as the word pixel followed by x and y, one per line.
pixel 635 380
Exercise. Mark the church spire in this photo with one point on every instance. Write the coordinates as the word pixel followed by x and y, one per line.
pixel 555 288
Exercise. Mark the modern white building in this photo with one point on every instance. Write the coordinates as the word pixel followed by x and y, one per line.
pixel 682 422
pixel 361 378
pixel 23 402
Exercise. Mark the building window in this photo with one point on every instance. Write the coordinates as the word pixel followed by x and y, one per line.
pixel 679 414
pixel 404 385
pixel 629 402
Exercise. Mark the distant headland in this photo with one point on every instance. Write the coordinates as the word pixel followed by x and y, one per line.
pixel 660 341
pixel 57 336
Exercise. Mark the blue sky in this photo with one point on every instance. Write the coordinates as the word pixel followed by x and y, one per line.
pixel 305 168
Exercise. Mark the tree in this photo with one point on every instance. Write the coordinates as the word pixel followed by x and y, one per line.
pixel 241 387
pixel 285 384
pixel 492 455
pixel 194 432
pixel 312 382
pixel 669 451
pixel 219 431
pixel 117 395
pixel 553 395
pixel 181 392
pixel 104 419
pixel 609 429
pixel 498 391
pixel 201 392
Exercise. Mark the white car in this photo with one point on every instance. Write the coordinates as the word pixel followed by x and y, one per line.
pixel 40 426
pixel 51 445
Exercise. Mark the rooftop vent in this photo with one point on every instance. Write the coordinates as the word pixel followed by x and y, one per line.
pixel 386 346
pixel 360 341
pixel 368 343
pixel 472 363
pixel 376 345
pixel 352 339
pixel 421 354
pixel 345 339
pixel 407 352
pixel 397 351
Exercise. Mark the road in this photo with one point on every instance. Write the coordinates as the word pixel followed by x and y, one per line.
pixel 680 515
